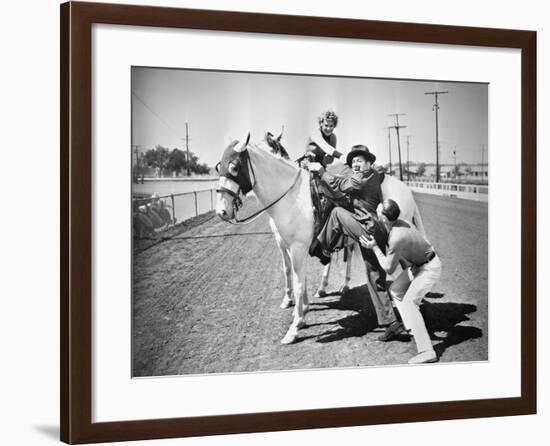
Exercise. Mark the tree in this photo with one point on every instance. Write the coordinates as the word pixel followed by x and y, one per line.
pixel 202 168
pixel 177 161
pixel 157 158
pixel 195 166
pixel 169 161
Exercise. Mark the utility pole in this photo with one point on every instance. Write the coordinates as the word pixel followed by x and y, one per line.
pixel 136 153
pixel 389 147
pixel 408 166
pixel 187 157
pixel 436 108
pixel 397 127
pixel 187 149
pixel 454 154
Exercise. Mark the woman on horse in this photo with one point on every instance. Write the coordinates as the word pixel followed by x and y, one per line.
pixel 321 146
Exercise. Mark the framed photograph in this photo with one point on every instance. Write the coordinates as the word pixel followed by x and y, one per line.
pixel 277 222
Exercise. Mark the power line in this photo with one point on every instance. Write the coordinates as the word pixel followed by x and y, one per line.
pixel 155 114
pixel 186 139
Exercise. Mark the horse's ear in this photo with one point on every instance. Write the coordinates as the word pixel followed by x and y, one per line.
pixel 281 135
pixel 244 146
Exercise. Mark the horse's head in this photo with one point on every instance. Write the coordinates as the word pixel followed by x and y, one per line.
pixel 234 170
pixel 275 145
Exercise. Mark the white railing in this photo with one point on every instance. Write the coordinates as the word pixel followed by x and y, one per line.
pixel 182 179
pixel 466 191
pixel 177 208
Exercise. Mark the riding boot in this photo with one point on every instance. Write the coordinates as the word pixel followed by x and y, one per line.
pixel 335 241
pixel 316 250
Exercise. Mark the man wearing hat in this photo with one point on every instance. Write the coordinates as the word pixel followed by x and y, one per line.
pixel 405 243
pixel 363 188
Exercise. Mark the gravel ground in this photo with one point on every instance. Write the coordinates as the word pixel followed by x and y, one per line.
pixel 207 300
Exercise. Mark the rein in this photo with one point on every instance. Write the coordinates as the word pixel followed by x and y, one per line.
pixel 257 214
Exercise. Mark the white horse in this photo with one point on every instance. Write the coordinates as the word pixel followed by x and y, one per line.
pixel 283 191
pixel 285 188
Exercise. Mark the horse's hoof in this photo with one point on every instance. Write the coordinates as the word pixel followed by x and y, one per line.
pixel 286 303
pixel 289 338
pixel 344 289
pixel 320 293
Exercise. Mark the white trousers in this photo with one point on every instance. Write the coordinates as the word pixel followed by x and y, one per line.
pixel 408 290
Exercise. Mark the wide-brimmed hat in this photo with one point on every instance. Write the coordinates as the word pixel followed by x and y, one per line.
pixel 360 150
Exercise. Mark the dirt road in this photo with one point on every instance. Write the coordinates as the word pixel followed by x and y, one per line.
pixel 207 301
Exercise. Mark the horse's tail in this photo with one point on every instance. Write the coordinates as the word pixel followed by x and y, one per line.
pixel 417 220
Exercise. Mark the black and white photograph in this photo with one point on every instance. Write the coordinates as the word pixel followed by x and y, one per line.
pixel 202 247
pixel 297 222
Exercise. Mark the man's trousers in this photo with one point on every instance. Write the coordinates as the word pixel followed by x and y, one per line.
pixel 407 294
pixel 341 223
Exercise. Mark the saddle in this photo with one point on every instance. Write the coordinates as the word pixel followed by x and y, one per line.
pixel 324 200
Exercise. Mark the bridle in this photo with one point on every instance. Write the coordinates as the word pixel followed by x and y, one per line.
pixel 234 188
pixel 231 185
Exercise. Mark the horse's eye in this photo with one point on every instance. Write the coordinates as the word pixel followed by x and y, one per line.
pixel 233 168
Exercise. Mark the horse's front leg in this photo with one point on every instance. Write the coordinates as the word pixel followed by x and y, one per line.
pixel 287 270
pixel 322 290
pixel 298 256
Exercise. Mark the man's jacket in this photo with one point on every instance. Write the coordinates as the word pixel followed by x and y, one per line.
pixel 363 189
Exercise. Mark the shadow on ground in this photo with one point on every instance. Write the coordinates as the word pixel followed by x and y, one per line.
pixel 352 325
pixel 434 295
pixel 447 317
pixel 439 317
pixel 442 316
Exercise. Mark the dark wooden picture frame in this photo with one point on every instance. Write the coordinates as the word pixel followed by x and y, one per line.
pixel 76 221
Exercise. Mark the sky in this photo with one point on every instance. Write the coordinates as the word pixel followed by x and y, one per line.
pixel 222 106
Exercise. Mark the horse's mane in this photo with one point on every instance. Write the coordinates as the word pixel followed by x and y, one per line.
pixel 261 146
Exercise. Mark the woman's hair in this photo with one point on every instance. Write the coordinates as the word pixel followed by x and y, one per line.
pixel 328 115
